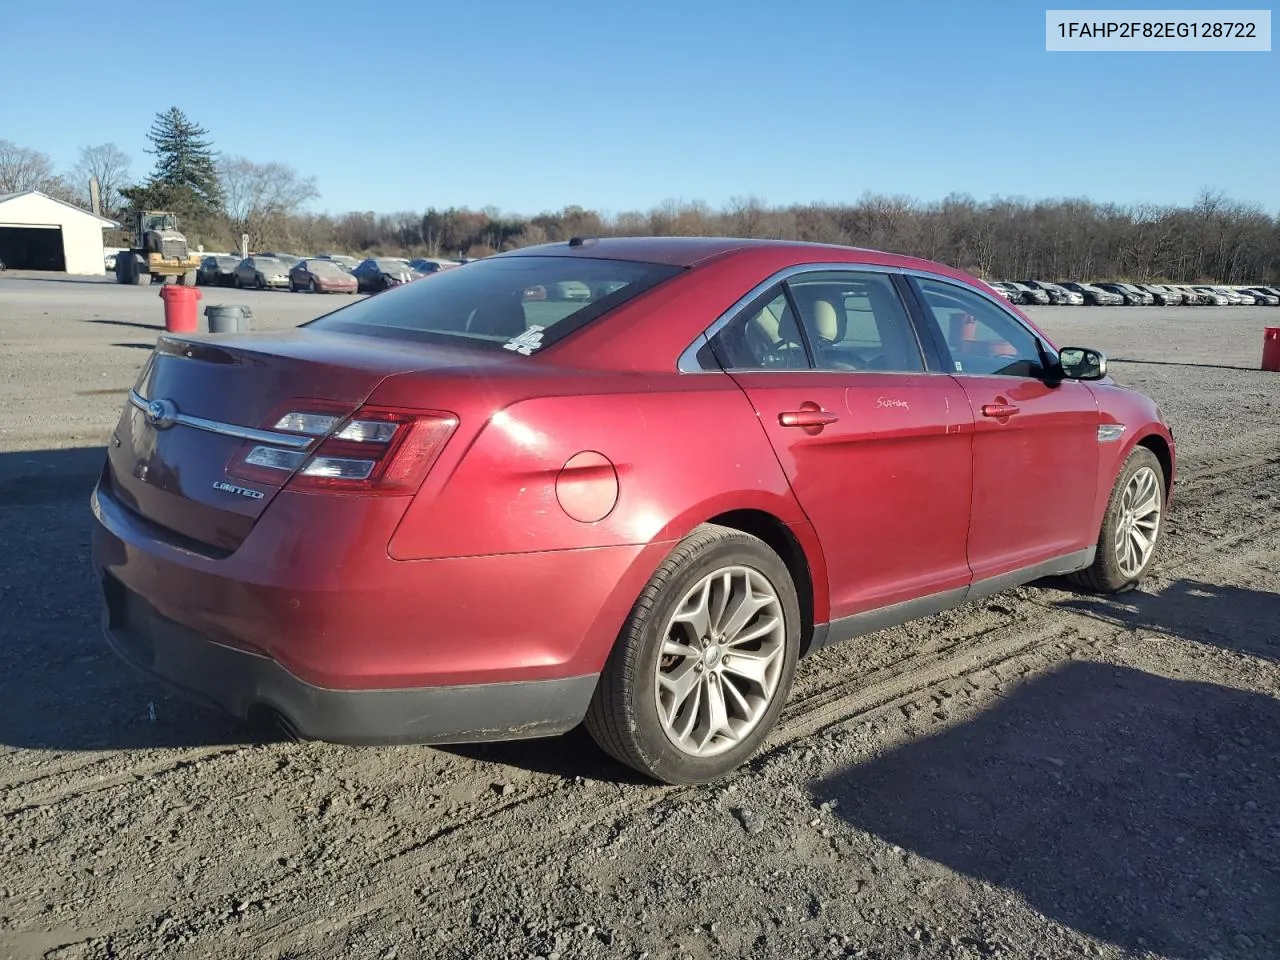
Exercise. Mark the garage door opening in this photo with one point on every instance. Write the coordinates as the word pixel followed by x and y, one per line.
pixel 32 248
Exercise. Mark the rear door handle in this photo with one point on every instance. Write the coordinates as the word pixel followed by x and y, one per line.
pixel 999 410
pixel 809 415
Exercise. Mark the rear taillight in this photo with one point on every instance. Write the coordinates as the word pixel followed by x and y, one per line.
pixel 375 451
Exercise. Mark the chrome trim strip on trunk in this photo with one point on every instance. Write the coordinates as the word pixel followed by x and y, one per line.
pixel 228 429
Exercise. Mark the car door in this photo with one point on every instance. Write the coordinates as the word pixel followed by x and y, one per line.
pixel 1035 441
pixel 875 444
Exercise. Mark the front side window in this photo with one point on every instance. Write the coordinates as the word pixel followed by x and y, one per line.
pixel 982 338
pixel 493 300
pixel 856 321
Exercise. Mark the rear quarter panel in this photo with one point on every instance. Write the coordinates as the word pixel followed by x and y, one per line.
pixel 682 449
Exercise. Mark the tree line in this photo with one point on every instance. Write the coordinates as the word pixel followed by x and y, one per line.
pixel 1215 239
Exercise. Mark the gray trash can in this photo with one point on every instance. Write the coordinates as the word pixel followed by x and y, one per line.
pixel 228 318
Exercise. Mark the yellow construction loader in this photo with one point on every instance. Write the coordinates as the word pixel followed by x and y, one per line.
pixel 158 250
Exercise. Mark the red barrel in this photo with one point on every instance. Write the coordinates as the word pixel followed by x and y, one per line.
pixel 180 308
pixel 1271 349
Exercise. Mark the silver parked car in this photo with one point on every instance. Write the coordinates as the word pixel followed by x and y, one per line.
pixel 262 273
pixel 1058 295
pixel 1215 296
pixel 1021 293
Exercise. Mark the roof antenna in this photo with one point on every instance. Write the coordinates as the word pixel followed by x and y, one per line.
pixel 583 241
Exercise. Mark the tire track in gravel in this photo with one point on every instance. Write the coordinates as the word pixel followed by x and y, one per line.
pixel 470 843
pixel 1226 465
pixel 80 788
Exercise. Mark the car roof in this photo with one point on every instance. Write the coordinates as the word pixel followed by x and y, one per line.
pixel 692 251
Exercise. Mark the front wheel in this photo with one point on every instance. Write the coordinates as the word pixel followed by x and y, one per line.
pixel 1131 526
pixel 704 663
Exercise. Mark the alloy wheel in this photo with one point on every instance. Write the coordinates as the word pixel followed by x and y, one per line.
pixel 1139 522
pixel 722 656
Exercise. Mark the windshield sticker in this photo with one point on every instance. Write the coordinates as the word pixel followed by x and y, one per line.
pixel 526 342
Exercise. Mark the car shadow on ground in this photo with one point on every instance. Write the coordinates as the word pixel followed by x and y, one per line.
pixel 1182 363
pixel 60 687
pixel 1234 618
pixel 1133 808
pixel 570 756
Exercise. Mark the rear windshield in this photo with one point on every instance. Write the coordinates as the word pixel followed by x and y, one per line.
pixel 500 299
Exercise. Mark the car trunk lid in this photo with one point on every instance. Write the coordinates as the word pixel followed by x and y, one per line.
pixel 200 404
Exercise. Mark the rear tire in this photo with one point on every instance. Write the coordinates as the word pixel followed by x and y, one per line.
pixel 690 690
pixel 1132 517
pixel 189 278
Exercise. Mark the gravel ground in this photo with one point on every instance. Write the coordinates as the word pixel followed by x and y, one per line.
pixel 1041 775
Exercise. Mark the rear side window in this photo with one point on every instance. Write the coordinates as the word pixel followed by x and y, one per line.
pixel 856 321
pixel 521 303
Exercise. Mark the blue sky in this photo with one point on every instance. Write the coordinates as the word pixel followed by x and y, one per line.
pixel 620 105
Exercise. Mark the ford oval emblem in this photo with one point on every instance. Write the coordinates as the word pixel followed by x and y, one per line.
pixel 162 413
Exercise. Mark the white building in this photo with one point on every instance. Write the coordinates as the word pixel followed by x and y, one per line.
pixel 38 232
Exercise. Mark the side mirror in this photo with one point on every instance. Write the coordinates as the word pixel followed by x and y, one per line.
pixel 1081 363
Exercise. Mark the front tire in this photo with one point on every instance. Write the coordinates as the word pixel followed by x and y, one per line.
pixel 1131 527
pixel 704 663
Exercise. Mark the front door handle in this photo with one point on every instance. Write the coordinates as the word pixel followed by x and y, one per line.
pixel 809 415
pixel 1001 411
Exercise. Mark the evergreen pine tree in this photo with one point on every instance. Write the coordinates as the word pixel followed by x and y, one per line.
pixel 185 166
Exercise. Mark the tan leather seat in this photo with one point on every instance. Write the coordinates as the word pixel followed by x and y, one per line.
pixel 767 325
pixel 826 321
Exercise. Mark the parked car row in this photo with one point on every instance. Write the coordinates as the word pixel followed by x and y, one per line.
pixel 325 273
pixel 1073 293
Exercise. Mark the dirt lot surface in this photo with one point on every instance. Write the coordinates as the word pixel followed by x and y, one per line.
pixel 1041 775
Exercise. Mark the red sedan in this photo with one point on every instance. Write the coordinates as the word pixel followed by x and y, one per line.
pixel 454 512
pixel 321 276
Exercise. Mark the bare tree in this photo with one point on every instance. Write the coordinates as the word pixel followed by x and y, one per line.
pixel 22 168
pixel 262 199
pixel 110 165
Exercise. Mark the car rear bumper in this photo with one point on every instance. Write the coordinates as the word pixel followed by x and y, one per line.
pixel 311 618
pixel 242 683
